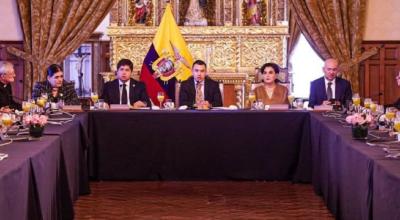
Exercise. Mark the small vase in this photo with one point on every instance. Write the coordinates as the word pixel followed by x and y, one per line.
pixel 359 131
pixel 36 131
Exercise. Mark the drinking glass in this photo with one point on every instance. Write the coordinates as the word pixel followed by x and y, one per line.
pixel 252 98
pixel 380 109
pixel 160 98
pixel 299 103
pixel 367 103
pixel 373 106
pixel 259 105
pixel 26 106
pixel 169 104
pixel 290 99
pixel 40 102
pixel 45 96
pixel 390 115
pixel 102 104
pixel 95 98
pixel 6 121
pixel 356 99
pixel 396 125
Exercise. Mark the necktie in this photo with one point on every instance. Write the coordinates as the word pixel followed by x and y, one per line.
pixel 199 93
pixel 329 91
pixel 124 96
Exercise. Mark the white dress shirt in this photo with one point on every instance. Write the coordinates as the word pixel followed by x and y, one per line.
pixel 332 86
pixel 127 83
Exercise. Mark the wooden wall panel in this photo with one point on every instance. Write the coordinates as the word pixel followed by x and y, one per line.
pixel 18 85
pixel 377 74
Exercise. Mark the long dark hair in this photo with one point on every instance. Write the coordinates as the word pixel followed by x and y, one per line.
pixel 53 69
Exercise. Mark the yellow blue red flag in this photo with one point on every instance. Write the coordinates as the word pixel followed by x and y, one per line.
pixel 168 59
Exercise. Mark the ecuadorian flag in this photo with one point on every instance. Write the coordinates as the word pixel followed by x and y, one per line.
pixel 167 61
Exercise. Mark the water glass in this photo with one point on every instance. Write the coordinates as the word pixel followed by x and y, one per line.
pixel 299 103
pixel 367 103
pixel 259 105
pixel 169 104
pixel 101 104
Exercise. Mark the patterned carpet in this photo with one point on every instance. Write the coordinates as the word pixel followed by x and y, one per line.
pixel 201 200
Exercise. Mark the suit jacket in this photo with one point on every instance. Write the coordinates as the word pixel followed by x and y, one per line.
pixel 67 90
pixel 278 97
pixel 137 92
pixel 318 91
pixel 6 97
pixel 212 94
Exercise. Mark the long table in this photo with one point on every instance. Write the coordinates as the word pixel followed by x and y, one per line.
pixel 201 145
pixel 355 180
pixel 41 179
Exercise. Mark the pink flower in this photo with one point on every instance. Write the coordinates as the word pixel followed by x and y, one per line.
pixel 35 120
pixel 359 119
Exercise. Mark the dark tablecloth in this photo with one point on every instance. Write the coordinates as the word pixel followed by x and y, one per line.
pixel 345 171
pixel 74 145
pixel 42 178
pixel 30 180
pixel 201 145
pixel 386 189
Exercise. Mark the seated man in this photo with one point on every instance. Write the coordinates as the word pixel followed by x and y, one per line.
pixel 56 87
pixel 329 87
pixel 125 90
pixel 397 103
pixel 7 76
pixel 200 89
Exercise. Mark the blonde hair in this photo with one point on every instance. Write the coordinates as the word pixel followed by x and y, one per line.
pixel 5 67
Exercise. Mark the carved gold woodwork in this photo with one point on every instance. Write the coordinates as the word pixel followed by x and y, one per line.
pixel 231 53
pixel 225 49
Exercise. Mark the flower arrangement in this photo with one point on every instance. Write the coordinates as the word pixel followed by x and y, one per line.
pixel 360 123
pixel 36 124
pixel 357 119
pixel 35 120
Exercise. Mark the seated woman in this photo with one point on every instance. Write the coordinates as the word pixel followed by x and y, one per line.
pixel 56 87
pixel 271 92
pixel 7 76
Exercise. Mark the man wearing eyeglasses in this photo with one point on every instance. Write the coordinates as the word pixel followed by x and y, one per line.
pixel 7 76
pixel 329 87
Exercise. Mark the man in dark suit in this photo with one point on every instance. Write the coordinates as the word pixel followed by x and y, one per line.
pixel 329 87
pixel 200 89
pixel 124 89
pixel 397 103
pixel 7 76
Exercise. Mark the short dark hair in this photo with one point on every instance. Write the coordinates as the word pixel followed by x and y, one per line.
pixel 199 62
pixel 273 65
pixel 53 69
pixel 125 62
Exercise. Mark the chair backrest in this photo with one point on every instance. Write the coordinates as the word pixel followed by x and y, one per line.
pixel 221 89
pixel 178 89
